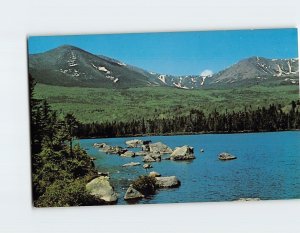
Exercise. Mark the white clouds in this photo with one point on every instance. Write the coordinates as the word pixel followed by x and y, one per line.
pixel 206 73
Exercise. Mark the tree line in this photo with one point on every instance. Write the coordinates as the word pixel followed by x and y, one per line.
pixel 261 119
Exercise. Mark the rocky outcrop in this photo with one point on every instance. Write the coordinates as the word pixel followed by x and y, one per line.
pixel 101 190
pixel 167 182
pixel 226 156
pixel 128 154
pixel 131 164
pixel 183 153
pixel 134 143
pixel 132 193
pixel 154 174
pixel 159 147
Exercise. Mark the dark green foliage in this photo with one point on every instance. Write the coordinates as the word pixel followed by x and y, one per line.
pixel 145 185
pixel 65 193
pixel 262 119
pixel 59 170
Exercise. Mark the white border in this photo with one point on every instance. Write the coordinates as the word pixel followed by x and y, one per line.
pixel 18 19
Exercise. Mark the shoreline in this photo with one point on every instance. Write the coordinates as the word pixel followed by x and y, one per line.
pixel 191 133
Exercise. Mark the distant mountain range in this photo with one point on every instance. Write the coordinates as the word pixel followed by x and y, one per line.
pixel 72 66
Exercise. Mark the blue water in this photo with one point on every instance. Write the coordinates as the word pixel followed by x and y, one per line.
pixel 267 167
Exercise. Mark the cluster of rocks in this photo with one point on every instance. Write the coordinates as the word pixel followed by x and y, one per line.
pixel 151 152
pixel 161 183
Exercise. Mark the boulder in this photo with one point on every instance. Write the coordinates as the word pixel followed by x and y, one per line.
pixel 102 190
pixel 146 148
pixel 134 143
pixel 226 156
pixel 140 153
pixel 100 145
pixel 152 157
pixel 131 164
pixel 167 182
pixel 128 154
pixel 148 159
pixel 159 147
pixel 154 174
pixel 183 153
pixel 132 193
pixel 147 166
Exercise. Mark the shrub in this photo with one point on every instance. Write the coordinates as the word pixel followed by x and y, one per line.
pixel 145 184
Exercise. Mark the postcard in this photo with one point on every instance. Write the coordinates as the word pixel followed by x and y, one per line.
pixel 171 117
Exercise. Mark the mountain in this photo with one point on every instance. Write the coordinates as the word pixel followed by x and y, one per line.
pixel 72 66
pixel 258 70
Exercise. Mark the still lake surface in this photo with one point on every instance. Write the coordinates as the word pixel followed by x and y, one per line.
pixel 267 167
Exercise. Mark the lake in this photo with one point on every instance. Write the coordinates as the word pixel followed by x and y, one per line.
pixel 267 167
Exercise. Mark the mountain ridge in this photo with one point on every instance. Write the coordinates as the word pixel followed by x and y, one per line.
pixel 68 65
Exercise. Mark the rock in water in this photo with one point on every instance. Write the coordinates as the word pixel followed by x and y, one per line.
pixel 183 153
pixel 128 154
pixel 226 156
pixel 101 189
pixel 148 159
pixel 134 143
pixel 131 164
pixel 147 165
pixel 159 147
pixel 154 174
pixel 100 145
pixel 132 193
pixel 167 182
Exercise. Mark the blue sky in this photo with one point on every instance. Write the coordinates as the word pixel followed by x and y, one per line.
pixel 180 53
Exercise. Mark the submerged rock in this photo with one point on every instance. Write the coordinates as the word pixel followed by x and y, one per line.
pixel 102 190
pixel 183 153
pixel 226 156
pixel 132 193
pixel 167 182
pixel 131 164
pixel 134 143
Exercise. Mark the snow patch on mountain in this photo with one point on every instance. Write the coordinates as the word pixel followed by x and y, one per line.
pixel 162 78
